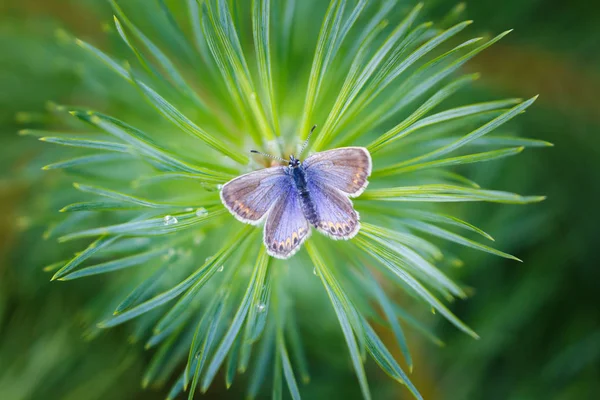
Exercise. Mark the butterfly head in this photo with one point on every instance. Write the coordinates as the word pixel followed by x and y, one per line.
pixel 294 162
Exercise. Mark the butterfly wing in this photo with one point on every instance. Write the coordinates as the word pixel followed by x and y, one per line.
pixel 249 197
pixel 336 216
pixel 287 227
pixel 345 169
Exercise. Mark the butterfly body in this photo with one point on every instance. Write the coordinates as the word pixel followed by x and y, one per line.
pixel 299 177
pixel 292 198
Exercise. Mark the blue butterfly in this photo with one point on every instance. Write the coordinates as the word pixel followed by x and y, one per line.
pixel 292 198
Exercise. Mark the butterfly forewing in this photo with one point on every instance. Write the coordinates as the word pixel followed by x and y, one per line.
pixel 286 227
pixel 346 169
pixel 249 197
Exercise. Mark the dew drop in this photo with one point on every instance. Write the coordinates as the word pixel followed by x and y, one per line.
pixel 219 186
pixel 170 220
pixel 315 273
pixel 207 259
pixel 189 209
pixel 261 307
pixel 221 268
pixel 201 212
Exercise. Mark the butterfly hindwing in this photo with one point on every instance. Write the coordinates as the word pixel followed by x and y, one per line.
pixel 287 227
pixel 345 169
pixel 250 196
pixel 336 215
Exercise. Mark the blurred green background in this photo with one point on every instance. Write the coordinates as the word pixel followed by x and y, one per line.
pixel 539 321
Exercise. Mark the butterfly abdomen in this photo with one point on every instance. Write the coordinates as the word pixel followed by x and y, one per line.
pixel 308 207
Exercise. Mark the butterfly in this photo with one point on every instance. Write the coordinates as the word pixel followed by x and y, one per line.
pixel 295 197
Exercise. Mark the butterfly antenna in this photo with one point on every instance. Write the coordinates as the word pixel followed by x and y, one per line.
pixel 307 140
pixel 268 155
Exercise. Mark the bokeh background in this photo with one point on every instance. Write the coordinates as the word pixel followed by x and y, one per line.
pixel 539 321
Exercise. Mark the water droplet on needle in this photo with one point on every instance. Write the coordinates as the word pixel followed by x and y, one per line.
pixel 170 220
